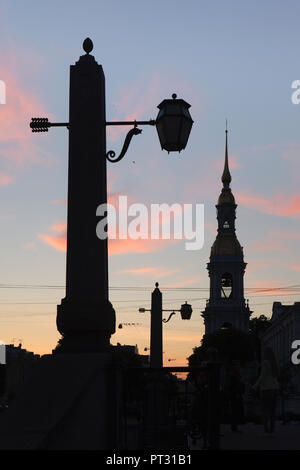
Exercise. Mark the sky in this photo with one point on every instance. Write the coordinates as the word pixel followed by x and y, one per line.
pixel 230 60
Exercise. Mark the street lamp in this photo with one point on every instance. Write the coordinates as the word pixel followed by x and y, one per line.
pixel 185 312
pixel 86 317
pixel 173 123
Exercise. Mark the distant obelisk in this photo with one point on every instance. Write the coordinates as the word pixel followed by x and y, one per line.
pixel 156 337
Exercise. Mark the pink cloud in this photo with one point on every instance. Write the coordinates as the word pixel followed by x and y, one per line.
pixel 295 268
pixel 152 271
pixel 5 180
pixel 136 101
pixel 292 152
pixel 29 246
pixel 269 288
pixel 139 100
pixel 59 201
pixel 183 283
pixel 266 245
pixel 234 164
pixel 281 205
pixel 18 145
pixel 254 264
pixel 286 235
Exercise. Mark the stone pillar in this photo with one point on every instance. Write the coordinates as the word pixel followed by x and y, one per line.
pixel 86 318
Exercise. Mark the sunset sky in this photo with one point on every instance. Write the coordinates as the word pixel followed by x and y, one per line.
pixel 230 60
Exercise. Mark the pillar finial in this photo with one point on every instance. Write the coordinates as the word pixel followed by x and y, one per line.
pixel 88 45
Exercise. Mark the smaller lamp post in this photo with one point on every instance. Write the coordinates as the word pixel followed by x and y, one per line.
pixel 156 333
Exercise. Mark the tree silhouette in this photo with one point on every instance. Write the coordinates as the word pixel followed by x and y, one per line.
pixel 231 344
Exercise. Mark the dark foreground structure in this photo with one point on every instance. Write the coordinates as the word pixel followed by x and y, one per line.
pixel 75 397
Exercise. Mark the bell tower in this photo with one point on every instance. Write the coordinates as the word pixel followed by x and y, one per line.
pixel 226 306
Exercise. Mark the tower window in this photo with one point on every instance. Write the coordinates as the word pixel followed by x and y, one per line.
pixel 226 286
pixel 226 224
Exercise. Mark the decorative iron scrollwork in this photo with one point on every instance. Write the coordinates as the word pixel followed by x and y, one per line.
pixel 171 314
pixel 111 154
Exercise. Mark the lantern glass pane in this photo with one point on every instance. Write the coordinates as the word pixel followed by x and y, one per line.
pixel 172 130
pixel 173 108
pixel 185 131
pixel 161 133
pixel 186 112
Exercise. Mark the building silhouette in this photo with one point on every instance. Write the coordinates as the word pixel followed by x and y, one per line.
pixel 283 330
pixel 226 306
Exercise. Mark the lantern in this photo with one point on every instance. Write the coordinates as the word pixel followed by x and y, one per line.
pixel 173 124
pixel 186 311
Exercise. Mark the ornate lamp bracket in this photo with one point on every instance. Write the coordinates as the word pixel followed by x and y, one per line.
pixel 43 124
pixel 111 155
pixel 171 314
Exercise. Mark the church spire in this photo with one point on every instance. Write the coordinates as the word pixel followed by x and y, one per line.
pixel 226 176
pixel 226 267
pixel 226 196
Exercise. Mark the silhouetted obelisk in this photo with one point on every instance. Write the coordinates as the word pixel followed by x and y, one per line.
pixel 156 341
pixel 85 317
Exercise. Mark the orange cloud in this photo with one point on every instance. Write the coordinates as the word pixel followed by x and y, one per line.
pixel 59 227
pixel 115 247
pixel 281 205
pixel 118 247
pixel 59 242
